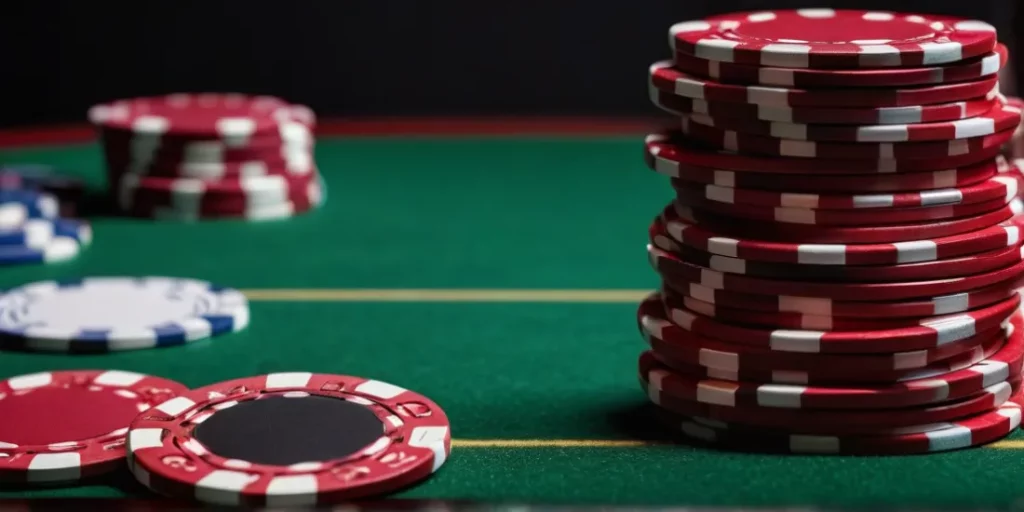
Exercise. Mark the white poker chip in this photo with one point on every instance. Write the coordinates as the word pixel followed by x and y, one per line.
pixel 100 314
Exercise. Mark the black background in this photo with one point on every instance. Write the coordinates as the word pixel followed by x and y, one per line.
pixel 365 57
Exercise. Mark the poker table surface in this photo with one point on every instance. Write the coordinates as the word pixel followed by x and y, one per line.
pixel 494 266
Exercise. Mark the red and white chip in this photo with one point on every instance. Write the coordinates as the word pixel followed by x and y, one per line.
pixel 827 38
pixel 733 73
pixel 1003 118
pixel 669 79
pixel 730 140
pixel 913 114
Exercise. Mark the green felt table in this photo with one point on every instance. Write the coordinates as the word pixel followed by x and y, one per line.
pixel 497 274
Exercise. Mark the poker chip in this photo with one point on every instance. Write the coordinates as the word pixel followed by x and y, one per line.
pixel 299 196
pixel 735 73
pixel 821 306
pixel 1002 235
pixel 954 435
pixel 999 119
pixel 232 117
pixel 823 389
pixel 697 349
pixel 786 320
pixel 66 426
pixel 899 395
pixel 830 422
pixel 840 234
pixel 669 79
pixel 19 205
pixel 734 141
pixel 209 156
pixel 1003 186
pixel 911 114
pixel 988 261
pixel 833 376
pixel 928 335
pixel 697 206
pixel 671 149
pixel 237 442
pixel 100 314
pixel 676 270
pixel 827 38
pixel 910 182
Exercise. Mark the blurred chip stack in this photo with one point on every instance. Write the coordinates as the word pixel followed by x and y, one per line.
pixel 840 267
pixel 209 156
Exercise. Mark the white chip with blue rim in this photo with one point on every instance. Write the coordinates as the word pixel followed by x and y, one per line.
pixel 100 314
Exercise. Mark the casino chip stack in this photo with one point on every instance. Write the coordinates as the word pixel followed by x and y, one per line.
pixel 841 263
pixel 209 156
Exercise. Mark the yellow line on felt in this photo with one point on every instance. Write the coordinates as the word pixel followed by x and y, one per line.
pixel 442 295
pixel 602 443
pixel 1015 444
pixel 547 443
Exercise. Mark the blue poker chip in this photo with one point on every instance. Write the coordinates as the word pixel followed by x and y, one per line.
pixel 44 241
pixel 100 314
pixel 33 233
pixel 18 206
pixel 58 249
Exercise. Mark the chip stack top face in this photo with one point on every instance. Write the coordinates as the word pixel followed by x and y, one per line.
pixel 230 116
pixel 828 38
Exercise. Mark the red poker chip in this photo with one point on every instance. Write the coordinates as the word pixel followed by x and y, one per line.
pixel 696 349
pixel 237 443
pixel 746 143
pixel 795 396
pixel 930 385
pixel 999 119
pixel 846 218
pixel 785 320
pixel 812 234
pixel 180 159
pixel 911 114
pixel 672 148
pixel 987 261
pixel 300 196
pixel 824 307
pixel 734 73
pixel 809 184
pixel 827 38
pixel 66 426
pixel 676 395
pixel 232 117
pixel 867 422
pixel 669 79
pixel 1003 235
pixel 934 333
pixel 961 433
pixel 1003 186
pixel 675 270
pixel 284 161
pixel 254 190
pixel 835 376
